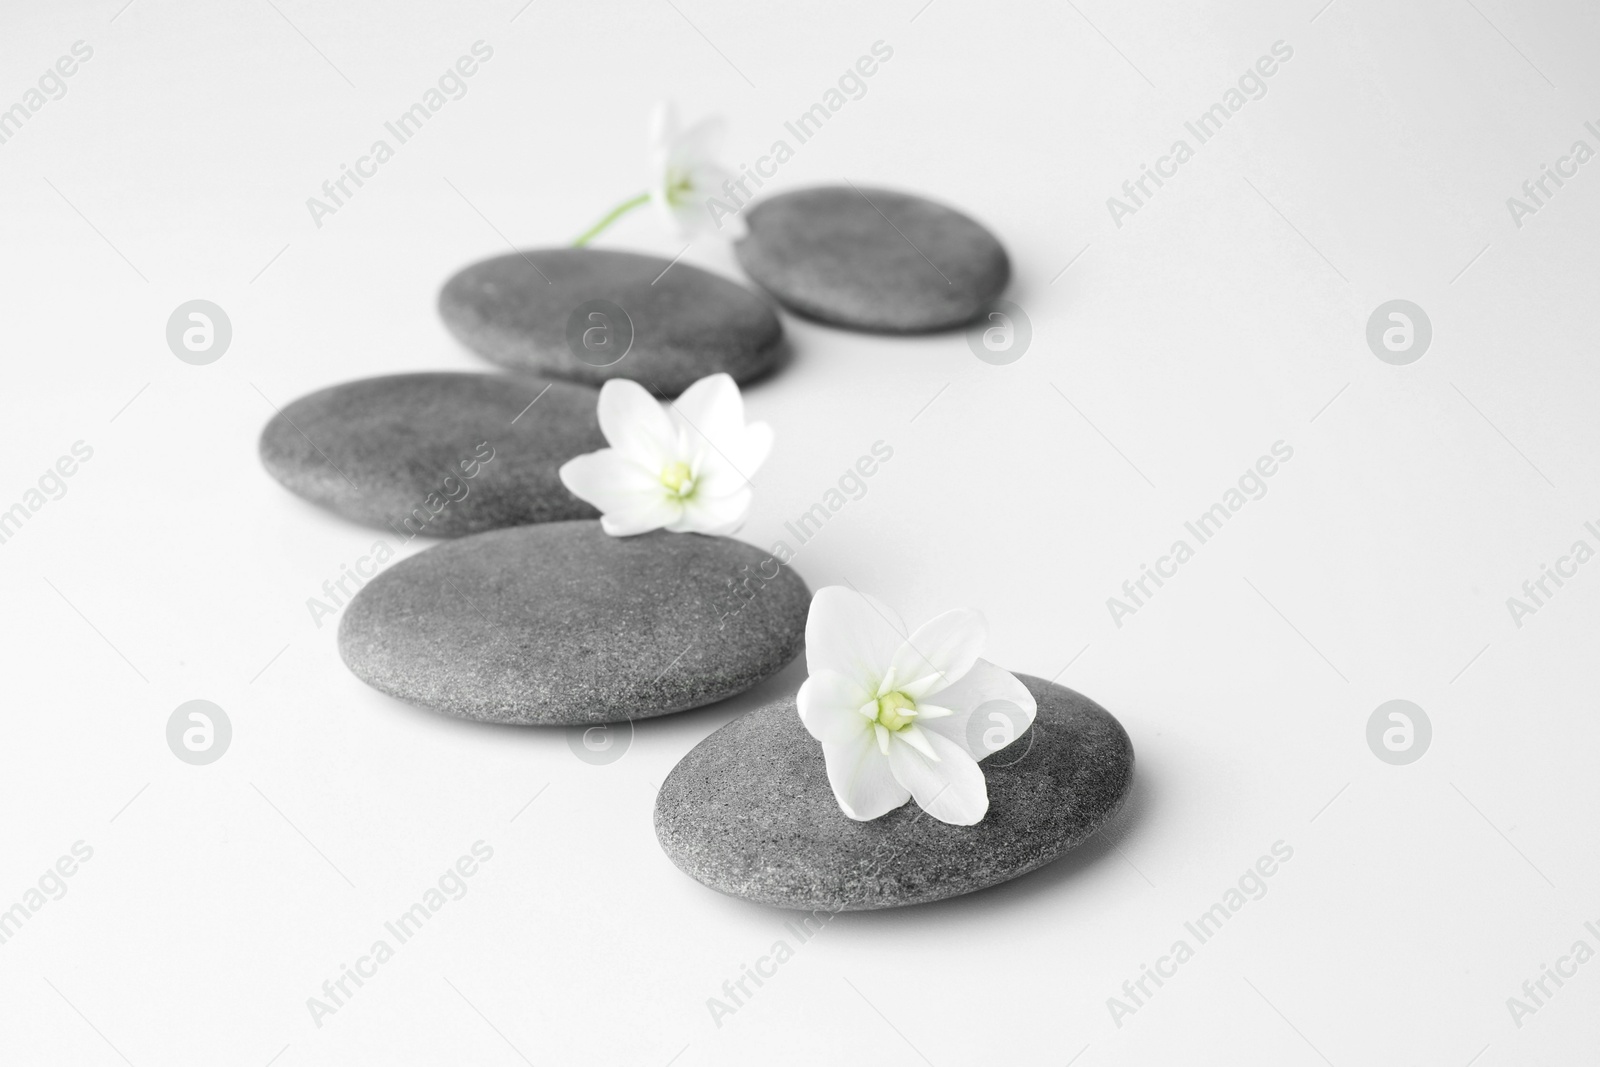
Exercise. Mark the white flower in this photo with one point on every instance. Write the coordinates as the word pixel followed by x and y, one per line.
pixel 685 465
pixel 685 176
pixel 686 182
pixel 894 713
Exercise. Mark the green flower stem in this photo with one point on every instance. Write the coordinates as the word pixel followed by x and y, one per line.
pixel 612 216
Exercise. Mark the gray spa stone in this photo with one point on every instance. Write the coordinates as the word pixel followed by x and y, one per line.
pixel 535 310
pixel 439 455
pixel 873 259
pixel 749 812
pixel 561 624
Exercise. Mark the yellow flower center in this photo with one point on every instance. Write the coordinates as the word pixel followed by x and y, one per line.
pixel 679 186
pixel 896 711
pixel 678 479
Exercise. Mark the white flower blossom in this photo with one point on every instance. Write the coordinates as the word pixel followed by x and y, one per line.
pixel 685 174
pixel 685 466
pixel 894 713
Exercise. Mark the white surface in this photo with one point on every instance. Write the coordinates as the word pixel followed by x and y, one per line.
pixel 1196 335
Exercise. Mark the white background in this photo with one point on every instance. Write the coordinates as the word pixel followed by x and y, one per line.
pixel 1175 350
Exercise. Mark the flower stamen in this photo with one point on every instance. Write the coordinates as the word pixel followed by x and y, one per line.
pixel 678 479
pixel 896 715
pixel 896 711
pixel 918 740
pixel 679 187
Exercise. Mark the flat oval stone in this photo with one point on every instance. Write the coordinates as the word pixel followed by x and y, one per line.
pixel 873 259
pixel 749 812
pixel 439 455
pixel 563 624
pixel 590 314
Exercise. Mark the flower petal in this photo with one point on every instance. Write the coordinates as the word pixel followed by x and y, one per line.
pixel 635 424
pixel 715 476
pixel 690 189
pixel 695 197
pixel 830 705
pixel 663 512
pixel 952 790
pixel 660 159
pixel 692 214
pixel 919 741
pixel 661 198
pixel 610 481
pixel 732 463
pixel 663 125
pixel 707 514
pixel 709 421
pixel 700 143
pixel 861 779
pixel 710 411
pixel 1012 712
pixel 939 652
pixel 853 634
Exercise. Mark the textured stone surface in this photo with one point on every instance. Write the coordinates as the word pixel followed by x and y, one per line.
pixel 749 812
pixel 685 324
pixel 873 259
pixel 562 624
pixel 395 452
